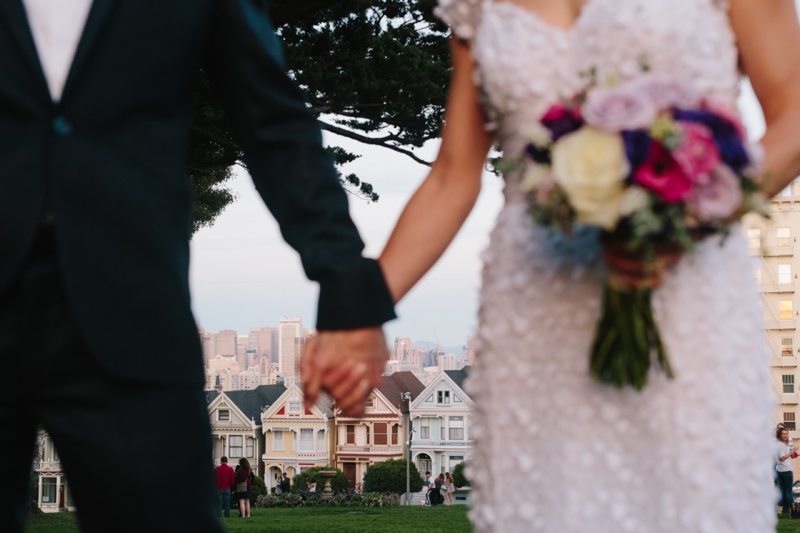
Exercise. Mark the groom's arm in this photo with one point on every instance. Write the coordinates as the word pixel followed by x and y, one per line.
pixel 294 175
pixel 291 170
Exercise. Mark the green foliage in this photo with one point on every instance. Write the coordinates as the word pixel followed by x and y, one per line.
pixel 374 71
pixel 259 487
pixel 300 482
pixel 390 476
pixel 459 479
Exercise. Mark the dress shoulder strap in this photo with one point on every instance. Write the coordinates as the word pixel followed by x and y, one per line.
pixel 463 16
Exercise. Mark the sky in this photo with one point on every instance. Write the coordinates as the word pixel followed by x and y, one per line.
pixel 243 275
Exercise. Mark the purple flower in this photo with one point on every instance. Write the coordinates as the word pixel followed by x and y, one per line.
pixel 637 147
pixel 666 92
pixel 726 135
pixel 624 107
pixel 561 120
pixel 539 155
pixel 717 197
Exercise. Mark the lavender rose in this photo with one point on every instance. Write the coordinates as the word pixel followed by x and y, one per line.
pixel 717 197
pixel 666 92
pixel 624 107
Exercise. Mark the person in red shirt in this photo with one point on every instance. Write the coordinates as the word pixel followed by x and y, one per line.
pixel 224 483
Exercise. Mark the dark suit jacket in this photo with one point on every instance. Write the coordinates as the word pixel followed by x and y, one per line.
pixel 109 158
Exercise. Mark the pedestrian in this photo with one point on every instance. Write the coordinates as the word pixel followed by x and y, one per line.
pixel 450 488
pixel 436 496
pixel 278 490
pixel 286 484
pixel 243 482
pixel 95 226
pixel 225 477
pixel 783 466
pixel 427 483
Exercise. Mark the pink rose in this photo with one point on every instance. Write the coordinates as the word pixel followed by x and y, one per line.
pixel 666 92
pixel 661 174
pixel 623 107
pixel 718 197
pixel 722 109
pixel 698 153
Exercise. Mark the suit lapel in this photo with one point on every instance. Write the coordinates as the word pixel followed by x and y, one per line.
pixel 95 23
pixel 16 20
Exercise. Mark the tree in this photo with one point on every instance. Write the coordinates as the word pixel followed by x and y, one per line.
pixel 390 476
pixel 259 487
pixel 373 71
pixel 459 479
pixel 300 482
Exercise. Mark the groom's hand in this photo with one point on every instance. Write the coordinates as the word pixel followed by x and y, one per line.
pixel 347 364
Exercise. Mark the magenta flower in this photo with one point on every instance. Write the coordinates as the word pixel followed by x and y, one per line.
pixel 718 197
pixel 698 153
pixel 662 175
pixel 624 107
pixel 561 120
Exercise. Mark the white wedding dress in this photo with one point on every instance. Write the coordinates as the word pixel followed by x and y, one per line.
pixel 555 451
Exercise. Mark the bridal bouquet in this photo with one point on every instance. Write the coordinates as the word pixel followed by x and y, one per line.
pixel 657 166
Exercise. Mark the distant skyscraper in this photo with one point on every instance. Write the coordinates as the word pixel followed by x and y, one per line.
pixel 402 349
pixel 226 343
pixel 447 362
pixel 289 329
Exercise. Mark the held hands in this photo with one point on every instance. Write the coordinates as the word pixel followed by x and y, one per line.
pixel 347 364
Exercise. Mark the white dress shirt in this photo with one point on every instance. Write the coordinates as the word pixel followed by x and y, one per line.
pixel 57 26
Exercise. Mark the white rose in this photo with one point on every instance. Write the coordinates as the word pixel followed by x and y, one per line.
pixel 590 165
pixel 537 135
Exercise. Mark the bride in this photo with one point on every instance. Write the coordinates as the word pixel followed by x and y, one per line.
pixel 685 455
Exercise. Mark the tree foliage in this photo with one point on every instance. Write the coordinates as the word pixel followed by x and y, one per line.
pixel 459 479
pixel 373 71
pixel 390 476
pixel 300 482
pixel 259 487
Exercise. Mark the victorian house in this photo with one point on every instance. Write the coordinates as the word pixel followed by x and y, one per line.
pixel 296 438
pixel 236 422
pixel 440 417
pixel 379 435
pixel 54 494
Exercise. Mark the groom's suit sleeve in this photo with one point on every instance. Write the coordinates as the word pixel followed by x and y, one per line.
pixel 291 170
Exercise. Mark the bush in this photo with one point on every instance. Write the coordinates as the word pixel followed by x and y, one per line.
pixel 390 476
pixel 300 482
pixel 459 479
pixel 372 499
pixel 259 488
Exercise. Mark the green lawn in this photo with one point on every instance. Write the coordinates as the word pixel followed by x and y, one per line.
pixel 413 519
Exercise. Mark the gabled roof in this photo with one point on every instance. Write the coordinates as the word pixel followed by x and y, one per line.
pixel 458 376
pixel 400 382
pixel 251 402
pixel 211 395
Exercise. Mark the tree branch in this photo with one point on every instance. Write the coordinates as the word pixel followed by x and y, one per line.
pixel 371 140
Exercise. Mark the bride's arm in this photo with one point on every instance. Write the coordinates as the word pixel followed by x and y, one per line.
pixel 439 207
pixel 768 36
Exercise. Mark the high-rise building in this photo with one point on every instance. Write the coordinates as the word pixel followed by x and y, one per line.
pixel 447 362
pixel 208 341
pixel 289 329
pixel 402 349
pixel 242 342
pixel 226 343
pixel 772 245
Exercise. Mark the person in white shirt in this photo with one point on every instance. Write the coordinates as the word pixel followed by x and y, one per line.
pixel 783 466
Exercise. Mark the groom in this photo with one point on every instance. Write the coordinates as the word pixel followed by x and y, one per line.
pixel 95 213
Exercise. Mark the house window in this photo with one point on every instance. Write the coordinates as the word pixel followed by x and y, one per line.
pixel 367 427
pixel 48 490
pixel 294 407
pixel 456 428
pixel 786 308
pixel 351 434
pixel 784 273
pixel 306 440
pixel 321 441
pixel 787 346
pixel 443 396
pixel 381 437
pixel 788 383
pixel 277 441
pixel 442 429
pixel 788 421
pixel 250 445
pixel 369 402
pixel 784 236
pixel 754 239
pixel 395 434
pixel 223 414
pixel 235 445
pixel 424 428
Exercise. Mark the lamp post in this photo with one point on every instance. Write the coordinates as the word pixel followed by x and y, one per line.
pixel 406 396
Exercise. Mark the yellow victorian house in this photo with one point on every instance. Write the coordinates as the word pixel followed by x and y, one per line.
pixel 296 438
